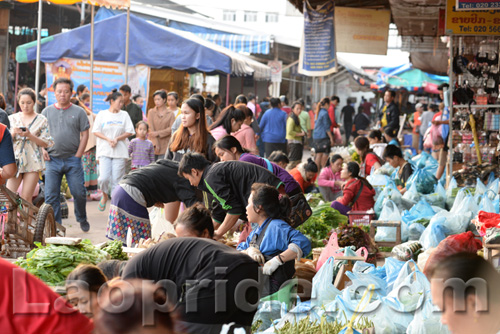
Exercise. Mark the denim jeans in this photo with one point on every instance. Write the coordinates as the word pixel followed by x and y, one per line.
pixel 111 171
pixel 73 169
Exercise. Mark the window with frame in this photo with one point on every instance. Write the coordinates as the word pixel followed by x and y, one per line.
pixel 271 17
pixel 229 15
pixel 250 16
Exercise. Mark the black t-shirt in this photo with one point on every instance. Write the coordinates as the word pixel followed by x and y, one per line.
pixel 361 121
pixel 187 262
pixel 230 183
pixel 159 182
pixel 348 112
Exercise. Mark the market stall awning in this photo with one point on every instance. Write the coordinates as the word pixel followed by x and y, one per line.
pixel 105 3
pixel 150 45
pixel 412 79
pixel 240 43
pixel 241 65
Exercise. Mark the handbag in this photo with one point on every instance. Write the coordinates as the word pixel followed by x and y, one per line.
pixel 301 210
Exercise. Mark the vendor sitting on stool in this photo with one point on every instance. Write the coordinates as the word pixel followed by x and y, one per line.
pixel 358 194
pixel 394 157
pixel 274 243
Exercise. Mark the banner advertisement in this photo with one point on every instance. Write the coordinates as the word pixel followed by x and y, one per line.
pixel 477 4
pixel 362 30
pixel 107 76
pixel 471 22
pixel 317 53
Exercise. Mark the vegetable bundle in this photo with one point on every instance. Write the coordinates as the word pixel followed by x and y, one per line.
pixel 53 263
pixel 322 220
pixel 115 250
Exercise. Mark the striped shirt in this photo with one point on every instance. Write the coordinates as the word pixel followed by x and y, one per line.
pixel 142 152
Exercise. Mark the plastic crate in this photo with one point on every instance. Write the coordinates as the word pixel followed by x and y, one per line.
pixel 361 217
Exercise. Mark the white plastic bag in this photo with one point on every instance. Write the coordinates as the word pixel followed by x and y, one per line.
pixel 323 290
pixel 159 224
pixel 390 212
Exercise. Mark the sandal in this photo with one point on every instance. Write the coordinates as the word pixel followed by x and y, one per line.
pixel 101 206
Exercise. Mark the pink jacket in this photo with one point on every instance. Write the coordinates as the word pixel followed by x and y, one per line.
pixel 246 137
pixel 327 179
pixel 218 132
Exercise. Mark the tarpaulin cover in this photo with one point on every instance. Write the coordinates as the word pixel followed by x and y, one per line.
pixel 407 77
pixel 149 45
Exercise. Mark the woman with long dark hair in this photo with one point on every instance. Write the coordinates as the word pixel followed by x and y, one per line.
pixel 275 244
pixel 192 135
pixel 295 136
pixel 369 160
pixel 160 120
pixel 322 136
pixel 30 133
pixel 112 128
pixel 229 121
pixel 358 194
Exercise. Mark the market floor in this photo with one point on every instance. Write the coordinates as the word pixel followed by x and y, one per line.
pixel 97 219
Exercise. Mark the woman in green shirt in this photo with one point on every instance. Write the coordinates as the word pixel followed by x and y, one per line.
pixel 294 136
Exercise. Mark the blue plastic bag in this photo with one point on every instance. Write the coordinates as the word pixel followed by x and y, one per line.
pixel 433 234
pixel 486 204
pixel 450 199
pixel 438 197
pixel 392 268
pixel 323 290
pixel 410 288
pixel 480 187
pixel 424 179
pixel 421 210
pixel 427 320
pixel 412 195
pixel 493 186
pixel 390 192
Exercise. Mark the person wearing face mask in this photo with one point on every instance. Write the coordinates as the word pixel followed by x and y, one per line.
pixel 330 183
pixel 112 127
pixel 275 244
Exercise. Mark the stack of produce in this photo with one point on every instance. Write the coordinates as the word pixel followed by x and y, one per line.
pixel 53 263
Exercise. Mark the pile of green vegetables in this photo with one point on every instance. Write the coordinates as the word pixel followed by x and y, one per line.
pixel 53 263
pixel 322 220
pixel 306 326
pixel 115 250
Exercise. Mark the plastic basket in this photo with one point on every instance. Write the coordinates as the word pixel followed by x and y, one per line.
pixel 361 217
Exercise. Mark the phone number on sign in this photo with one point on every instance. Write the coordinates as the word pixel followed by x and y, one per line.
pixel 487 29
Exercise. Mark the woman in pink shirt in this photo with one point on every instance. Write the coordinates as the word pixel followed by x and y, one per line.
pixel 330 183
pixel 246 135
pixel 229 121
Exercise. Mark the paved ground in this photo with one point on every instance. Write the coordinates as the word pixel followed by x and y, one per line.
pixel 96 218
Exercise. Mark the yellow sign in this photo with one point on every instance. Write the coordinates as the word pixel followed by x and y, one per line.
pixel 471 22
pixel 362 30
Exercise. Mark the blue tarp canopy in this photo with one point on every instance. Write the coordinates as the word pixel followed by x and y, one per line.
pixel 410 78
pixel 149 45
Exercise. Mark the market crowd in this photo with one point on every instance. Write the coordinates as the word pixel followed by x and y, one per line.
pixel 214 171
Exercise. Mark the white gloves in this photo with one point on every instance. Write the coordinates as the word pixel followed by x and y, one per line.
pixel 255 254
pixel 271 266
